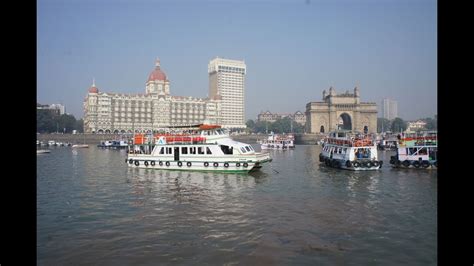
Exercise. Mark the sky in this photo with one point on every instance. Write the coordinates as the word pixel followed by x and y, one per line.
pixel 293 50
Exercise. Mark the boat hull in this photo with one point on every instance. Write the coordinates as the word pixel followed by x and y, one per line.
pixel 209 166
pixel 367 165
pixel 276 147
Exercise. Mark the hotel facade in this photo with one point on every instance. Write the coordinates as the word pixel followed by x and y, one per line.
pixel 154 110
pixel 227 82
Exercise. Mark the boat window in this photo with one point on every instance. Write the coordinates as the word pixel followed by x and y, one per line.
pixel 192 150
pixel 201 150
pixel 208 150
pixel 242 149
pixel 169 150
pixel 423 151
pixel 184 150
pixel 162 150
pixel 226 149
pixel 247 148
pixel 251 148
pixel 345 150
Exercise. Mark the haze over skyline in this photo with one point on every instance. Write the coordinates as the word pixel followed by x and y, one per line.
pixel 293 50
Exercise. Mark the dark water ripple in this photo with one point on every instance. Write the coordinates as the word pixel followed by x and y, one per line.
pixel 92 209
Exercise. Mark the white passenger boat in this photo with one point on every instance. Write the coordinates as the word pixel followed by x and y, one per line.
pixel 42 151
pixel 350 150
pixel 278 142
pixel 416 150
pixel 207 148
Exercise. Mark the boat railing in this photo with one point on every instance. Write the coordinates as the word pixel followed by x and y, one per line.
pixel 356 142
pixel 419 141
pixel 168 139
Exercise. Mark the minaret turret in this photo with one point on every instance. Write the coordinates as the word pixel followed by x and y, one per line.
pixel 331 91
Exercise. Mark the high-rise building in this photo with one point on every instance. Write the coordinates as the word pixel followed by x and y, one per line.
pixel 227 80
pixel 106 112
pixel 389 109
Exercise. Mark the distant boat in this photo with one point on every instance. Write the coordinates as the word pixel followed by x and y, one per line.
pixel 80 146
pixel 114 144
pixel 275 141
pixel 42 151
pixel 84 145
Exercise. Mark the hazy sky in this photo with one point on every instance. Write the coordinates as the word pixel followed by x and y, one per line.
pixel 293 49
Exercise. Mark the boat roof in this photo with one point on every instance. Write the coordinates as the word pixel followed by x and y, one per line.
pixel 197 126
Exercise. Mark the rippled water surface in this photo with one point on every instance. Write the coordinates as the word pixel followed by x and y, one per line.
pixel 92 209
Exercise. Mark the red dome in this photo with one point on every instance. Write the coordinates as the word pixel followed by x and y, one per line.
pixel 157 74
pixel 93 89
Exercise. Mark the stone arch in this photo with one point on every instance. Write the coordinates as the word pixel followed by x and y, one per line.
pixel 148 131
pixel 321 129
pixel 129 131
pixel 107 131
pixel 122 131
pixel 116 131
pixel 346 121
pixel 366 129
pixel 100 131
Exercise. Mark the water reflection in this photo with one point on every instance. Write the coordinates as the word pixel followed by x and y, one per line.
pixel 93 208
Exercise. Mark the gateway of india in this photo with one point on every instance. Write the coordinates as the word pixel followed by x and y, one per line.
pixel 341 111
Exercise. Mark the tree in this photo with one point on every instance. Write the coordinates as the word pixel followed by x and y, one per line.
pixel 398 125
pixel 261 126
pixel 431 124
pixel 48 121
pixel 250 124
pixel 383 124
pixel 80 126
pixel 45 121
pixel 66 123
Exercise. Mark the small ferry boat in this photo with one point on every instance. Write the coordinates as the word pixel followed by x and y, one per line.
pixel 278 142
pixel 416 150
pixel 350 150
pixel 113 144
pixel 198 148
